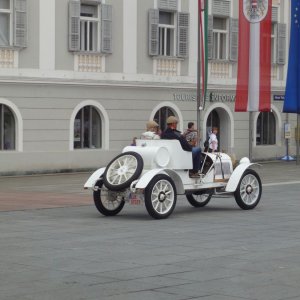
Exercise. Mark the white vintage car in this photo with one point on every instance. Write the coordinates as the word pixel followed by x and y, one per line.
pixel 155 171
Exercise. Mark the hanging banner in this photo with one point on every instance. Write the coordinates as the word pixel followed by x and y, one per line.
pixel 253 92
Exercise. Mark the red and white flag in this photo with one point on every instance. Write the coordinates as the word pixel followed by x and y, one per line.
pixel 253 90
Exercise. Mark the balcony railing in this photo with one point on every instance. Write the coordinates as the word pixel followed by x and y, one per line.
pixel 8 58
pixel 220 69
pixel 88 62
pixel 167 66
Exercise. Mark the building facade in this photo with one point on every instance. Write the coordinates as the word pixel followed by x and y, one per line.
pixel 80 78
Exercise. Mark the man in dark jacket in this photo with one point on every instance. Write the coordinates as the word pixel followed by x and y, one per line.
pixel 171 133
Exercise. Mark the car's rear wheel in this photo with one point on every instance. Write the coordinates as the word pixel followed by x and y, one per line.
pixel 123 170
pixel 160 197
pixel 199 199
pixel 248 192
pixel 108 203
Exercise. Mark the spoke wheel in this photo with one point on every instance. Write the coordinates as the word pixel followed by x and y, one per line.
pixel 108 203
pixel 160 197
pixel 199 200
pixel 249 190
pixel 122 170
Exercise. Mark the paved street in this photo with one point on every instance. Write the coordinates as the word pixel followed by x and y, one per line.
pixel 55 245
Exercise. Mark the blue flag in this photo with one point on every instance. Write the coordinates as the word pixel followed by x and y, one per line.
pixel 292 92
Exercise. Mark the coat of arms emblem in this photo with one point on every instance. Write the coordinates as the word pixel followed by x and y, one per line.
pixel 255 10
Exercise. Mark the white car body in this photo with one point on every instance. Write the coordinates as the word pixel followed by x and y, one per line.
pixel 167 158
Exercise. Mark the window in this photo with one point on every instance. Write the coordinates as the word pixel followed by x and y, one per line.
pixel 5 22
pixel 87 129
pixel 220 38
pixel 266 129
pixel 7 128
pixel 13 23
pixel 168 33
pixel 161 116
pixel 90 26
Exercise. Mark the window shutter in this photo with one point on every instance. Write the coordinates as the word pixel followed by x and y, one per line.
pixel 210 37
pixel 74 25
pixel 274 14
pixel 234 39
pixel 183 34
pixel 221 8
pixel 281 43
pixel 170 5
pixel 20 23
pixel 106 28
pixel 153 31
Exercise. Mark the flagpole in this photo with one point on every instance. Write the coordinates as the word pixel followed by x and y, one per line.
pixel 198 75
pixel 200 60
pixel 250 135
pixel 297 140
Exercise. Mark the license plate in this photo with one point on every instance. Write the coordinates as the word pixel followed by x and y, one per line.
pixel 135 199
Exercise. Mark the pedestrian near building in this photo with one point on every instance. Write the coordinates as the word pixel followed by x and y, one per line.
pixel 213 140
pixel 191 134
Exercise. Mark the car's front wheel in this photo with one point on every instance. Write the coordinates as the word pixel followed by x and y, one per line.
pixel 123 170
pixel 199 199
pixel 108 203
pixel 160 197
pixel 248 192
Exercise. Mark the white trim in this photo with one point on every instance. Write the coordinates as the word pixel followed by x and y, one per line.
pixel 130 36
pixel 174 107
pixel 179 6
pixel 155 4
pixel 104 119
pixel 47 35
pixel 254 68
pixel 19 123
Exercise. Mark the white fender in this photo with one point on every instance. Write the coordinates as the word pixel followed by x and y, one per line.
pixel 93 178
pixel 236 176
pixel 148 176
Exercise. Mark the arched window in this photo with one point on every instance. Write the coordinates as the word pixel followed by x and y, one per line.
pixel 7 129
pixel 266 129
pixel 161 116
pixel 87 128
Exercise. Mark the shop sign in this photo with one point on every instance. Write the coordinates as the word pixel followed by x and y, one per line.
pixel 216 97
pixel 185 97
pixel 211 97
pixel 278 97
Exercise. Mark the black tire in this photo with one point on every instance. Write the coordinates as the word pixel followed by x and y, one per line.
pixel 199 199
pixel 123 170
pixel 248 192
pixel 106 201
pixel 160 197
